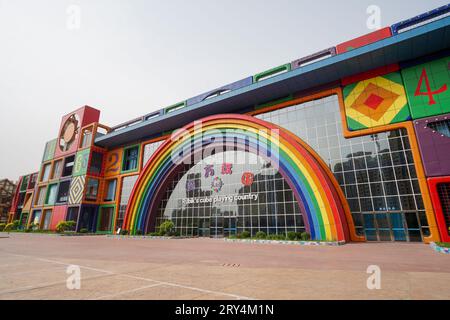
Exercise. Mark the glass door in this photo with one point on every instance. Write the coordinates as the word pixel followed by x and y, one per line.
pixel 229 226
pixel 396 226
pixel 203 227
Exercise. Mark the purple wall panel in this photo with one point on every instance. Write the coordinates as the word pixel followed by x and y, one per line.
pixel 232 86
pixel 434 147
pixel 330 52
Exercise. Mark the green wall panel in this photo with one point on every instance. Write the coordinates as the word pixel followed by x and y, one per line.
pixel 428 88
pixel 81 162
pixel 49 151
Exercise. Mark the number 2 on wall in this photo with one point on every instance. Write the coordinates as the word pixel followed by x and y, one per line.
pixel 429 93
pixel 113 159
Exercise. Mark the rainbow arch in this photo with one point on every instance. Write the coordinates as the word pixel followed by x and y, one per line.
pixel 321 201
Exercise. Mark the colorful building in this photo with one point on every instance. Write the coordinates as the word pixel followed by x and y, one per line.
pixel 7 189
pixel 349 144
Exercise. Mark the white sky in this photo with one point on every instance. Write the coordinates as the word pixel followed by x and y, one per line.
pixel 131 57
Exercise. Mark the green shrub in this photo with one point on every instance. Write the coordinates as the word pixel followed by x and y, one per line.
pixel 261 235
pixel 291 236
pixel 281 237
pixel 64 226
pixel 443 244
pixel 10 227
pixel 84 230
pixel 153 234
pixel 123 232
pixel 2 226
pixel 305 236
pixel 245 235
pixel 138 232
pixel 166 228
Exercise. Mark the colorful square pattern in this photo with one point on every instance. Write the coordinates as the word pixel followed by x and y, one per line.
pixel 376 102
pixel 77 190
pixel 428 88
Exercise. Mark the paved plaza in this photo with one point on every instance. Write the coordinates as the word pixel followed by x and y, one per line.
pixel 34 266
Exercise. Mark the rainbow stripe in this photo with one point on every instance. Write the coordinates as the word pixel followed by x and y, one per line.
pixel 319 198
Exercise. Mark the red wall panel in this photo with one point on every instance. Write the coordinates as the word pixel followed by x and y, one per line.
pixel 433 184
pixel 58 215
pixel 364 40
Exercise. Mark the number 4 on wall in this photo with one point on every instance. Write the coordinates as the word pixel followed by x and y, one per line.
pixel 429 93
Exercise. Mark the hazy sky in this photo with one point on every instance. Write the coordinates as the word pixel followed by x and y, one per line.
pixel 131 57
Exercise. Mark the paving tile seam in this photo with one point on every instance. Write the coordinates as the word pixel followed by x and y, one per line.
pixel 109 296
pixel 45 285
pixel 139 278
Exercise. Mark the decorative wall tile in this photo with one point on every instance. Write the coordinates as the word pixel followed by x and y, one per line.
pixel 376 102
pixel 428 88
pixel 77 190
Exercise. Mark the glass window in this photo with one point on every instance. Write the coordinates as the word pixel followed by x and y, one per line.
pixel 110 190
pixel 106 217
pixel 36 217
pixel 86 138
pixel 263 202
pixel 45 172
pixel 33 180
pixel 444 197
pixel 150 149
pixel 40 197
pixel 72 214
pixel 96 163
pixel 51 194
pixel 46 219
pixel 376 172
pixel 92 189
pixel 130 158
pixel 443 127
pixel 68 166
pixel 57 169
pixel 63 192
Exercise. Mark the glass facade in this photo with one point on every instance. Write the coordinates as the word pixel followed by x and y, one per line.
pixel 150 149
pixel 376 172
pixel 227 193
pixel 127 187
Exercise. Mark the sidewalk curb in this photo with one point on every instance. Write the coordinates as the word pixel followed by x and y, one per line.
pixel 301 243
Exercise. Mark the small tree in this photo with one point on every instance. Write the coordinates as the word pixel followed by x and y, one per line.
pixel 166 228
pixel 2 226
